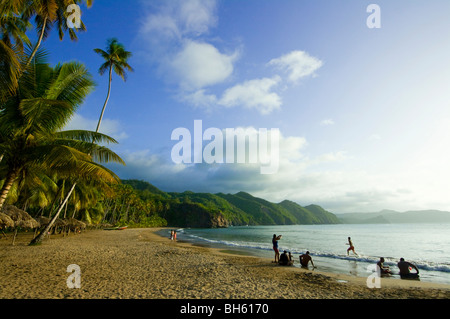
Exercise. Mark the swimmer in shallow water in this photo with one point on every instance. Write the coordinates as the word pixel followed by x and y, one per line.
pixel 305 259
pixel 405 269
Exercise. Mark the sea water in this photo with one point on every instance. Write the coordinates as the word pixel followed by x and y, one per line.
pixel 425 245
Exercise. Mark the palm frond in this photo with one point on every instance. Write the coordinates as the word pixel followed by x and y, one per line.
pixel 44 115
pixel 85 136
pixel 9 70
pixel 73 83
pixel 115 57
pixel 104 67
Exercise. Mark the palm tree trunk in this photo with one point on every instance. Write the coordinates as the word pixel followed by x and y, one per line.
pixel 41 235
pixel 38 44
pixel 9 180
pixel 15 235
pixel 38 239
pixel 54 201
pixel 65 209
pixel 106 101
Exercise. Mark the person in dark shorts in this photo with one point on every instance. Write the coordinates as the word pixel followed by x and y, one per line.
pixel 352 248
pixel 275 240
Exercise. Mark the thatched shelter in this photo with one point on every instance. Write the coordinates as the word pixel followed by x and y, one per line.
pixel 20 217
pixel 75 225
pixel 58 226
pixel 5 221
pixel 43 221
pixel 59 223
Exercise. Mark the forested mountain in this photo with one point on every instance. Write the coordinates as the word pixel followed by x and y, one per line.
pixel 189 209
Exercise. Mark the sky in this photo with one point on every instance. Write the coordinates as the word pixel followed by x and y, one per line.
pixel 363 113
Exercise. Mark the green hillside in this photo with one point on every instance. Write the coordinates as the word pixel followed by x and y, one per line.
pixel 189 209
pixel 311 214
pixel 213 203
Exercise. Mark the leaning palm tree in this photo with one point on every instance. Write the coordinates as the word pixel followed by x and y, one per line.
pixel 116 58
pixel 30 124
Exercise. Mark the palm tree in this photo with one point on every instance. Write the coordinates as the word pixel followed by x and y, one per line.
pixel 46 13
pixel 9 70
pixel 13 30
pixel 30 121
pixel 116 58
pixel 14 21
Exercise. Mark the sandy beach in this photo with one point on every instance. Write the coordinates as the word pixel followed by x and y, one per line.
pixel 139 264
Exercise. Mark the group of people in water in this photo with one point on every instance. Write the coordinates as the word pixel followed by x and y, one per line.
pixel 286 259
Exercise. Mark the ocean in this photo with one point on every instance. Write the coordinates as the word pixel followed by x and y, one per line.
pixel 425 245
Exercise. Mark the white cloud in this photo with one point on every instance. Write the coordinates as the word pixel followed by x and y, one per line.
pixel 199 65
pixel 300 177
pixel 255 94
pixel 259 94
pixel 327 122
pixel 176 19
pixel 109 127
pixel 160 170
pixel 197 16
pixel 163 25
pixel 175 32
pixel 200 99
pixel 332 157
pixel 298 64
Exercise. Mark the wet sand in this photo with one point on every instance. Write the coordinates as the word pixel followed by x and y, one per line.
pixel 139 264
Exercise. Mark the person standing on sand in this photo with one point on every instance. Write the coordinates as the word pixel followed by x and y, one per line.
pixel 275 240
pixel 352 248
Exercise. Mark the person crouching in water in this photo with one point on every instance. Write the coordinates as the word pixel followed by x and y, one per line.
pixel 285 259
pixel 305 259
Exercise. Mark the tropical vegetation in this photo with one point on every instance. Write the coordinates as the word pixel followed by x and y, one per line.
pixel 116 58
pixel 54 173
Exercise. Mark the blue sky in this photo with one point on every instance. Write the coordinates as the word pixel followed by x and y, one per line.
pixel 364 114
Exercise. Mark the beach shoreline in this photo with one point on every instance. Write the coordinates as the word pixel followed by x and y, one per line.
pixel 140 264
